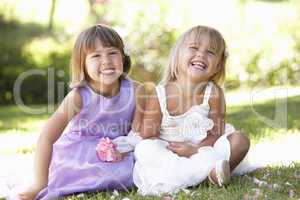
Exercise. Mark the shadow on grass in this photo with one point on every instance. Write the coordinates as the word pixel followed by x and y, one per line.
pixel 248 118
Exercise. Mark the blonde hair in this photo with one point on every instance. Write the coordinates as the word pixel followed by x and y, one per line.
pixel 217 43
pixel 85 43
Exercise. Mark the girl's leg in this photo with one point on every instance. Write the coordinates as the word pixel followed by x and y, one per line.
pixel 239 146
pixel 220 174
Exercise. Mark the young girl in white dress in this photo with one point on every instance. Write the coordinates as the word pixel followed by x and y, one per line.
pixel 185 121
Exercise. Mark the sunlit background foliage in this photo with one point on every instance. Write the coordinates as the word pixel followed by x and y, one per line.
pixel 263 38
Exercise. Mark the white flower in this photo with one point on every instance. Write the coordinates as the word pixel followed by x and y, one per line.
pixel 259 182
pixel 186 191
pixel 288 184
pixel 276 186
pixel 115 193
pixel 291 193
pixel 81 195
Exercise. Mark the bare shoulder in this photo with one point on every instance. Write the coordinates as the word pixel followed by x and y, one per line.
pixel 139 87
pixel 136 83
pixel 147 90
pixel 75 96
pixel 72 103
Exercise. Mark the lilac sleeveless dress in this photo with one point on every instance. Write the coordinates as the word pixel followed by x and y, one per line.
pixel 75 166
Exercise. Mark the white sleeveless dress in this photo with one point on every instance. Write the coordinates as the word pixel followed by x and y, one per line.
pixel 158 170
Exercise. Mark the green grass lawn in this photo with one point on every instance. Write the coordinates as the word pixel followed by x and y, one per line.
pixel 14 120
pixel 279 182
pixel 245 118
pixel 275 183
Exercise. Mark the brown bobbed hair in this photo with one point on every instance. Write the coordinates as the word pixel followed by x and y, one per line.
pixel 85 43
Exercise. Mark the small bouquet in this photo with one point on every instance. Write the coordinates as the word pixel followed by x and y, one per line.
pixel 106 150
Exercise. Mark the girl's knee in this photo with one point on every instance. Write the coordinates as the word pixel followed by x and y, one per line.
pixel 240 139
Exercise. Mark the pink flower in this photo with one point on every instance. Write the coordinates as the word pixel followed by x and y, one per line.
pixel 106 150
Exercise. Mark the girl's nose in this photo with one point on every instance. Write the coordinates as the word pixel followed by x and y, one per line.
pixel 200 52
pixel 104 60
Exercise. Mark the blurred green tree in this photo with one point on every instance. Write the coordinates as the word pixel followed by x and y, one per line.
pixel 263 39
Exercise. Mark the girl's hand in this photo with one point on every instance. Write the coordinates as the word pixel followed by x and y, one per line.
pixel 153 137
pixel 119 156
pixel 182 149
pixel 30 193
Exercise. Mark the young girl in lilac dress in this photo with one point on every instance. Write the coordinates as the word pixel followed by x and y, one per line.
pixel 186 116
pixel 101 104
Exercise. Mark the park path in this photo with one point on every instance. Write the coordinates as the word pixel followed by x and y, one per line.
pixel 258 95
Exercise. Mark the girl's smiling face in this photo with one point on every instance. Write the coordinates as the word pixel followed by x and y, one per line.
pixel 104 64
pixel 198 60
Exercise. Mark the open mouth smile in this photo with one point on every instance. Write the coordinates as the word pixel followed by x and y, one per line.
pixel 108 71
pixel 198 65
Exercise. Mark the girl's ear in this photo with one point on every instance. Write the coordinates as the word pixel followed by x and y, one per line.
pixel 126 63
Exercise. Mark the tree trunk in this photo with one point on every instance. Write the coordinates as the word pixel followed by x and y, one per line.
pixel 51 16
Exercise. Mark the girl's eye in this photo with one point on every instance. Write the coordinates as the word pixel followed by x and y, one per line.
pixel 96 56
pixel 193 47
pixel 210 52
pixel 113 52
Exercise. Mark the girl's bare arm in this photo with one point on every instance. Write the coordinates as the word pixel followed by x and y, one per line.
pixel 49 134
pixel 152 116
pixel 140 99
pixel 217 114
